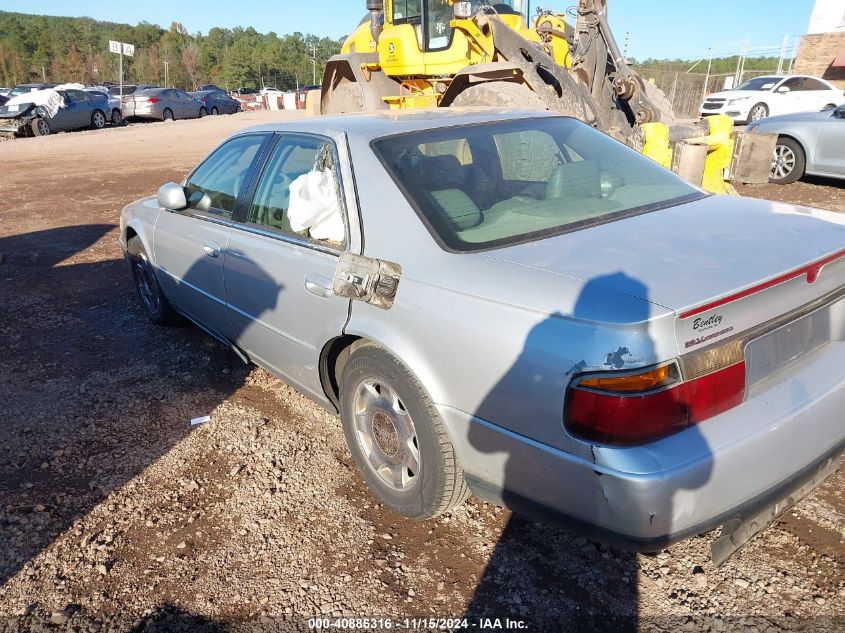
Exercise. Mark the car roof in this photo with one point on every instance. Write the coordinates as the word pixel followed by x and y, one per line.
pixel 370 126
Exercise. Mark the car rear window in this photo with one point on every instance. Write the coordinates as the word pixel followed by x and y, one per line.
pixel 491 185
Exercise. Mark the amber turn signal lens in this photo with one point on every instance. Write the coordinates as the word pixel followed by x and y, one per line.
pixel 639 382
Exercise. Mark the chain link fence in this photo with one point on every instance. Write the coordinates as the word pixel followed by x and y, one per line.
pixel 686 91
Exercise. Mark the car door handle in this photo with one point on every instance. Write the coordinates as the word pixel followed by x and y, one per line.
pixel 319 285
pixel 212 249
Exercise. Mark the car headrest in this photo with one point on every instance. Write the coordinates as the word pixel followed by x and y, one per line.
pixel 578 179
pixel 457 208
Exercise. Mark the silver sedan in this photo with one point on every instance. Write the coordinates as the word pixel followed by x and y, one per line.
pixel 164 104
pixel 516 305
pixel 808 143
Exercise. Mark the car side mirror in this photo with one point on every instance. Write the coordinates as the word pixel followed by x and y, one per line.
pixel 783 89
pixel 172 196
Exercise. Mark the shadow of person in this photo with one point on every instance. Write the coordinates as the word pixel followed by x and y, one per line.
pixel 550 578
pixel 93 392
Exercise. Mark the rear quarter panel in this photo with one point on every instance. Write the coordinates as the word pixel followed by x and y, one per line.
pixel 488 337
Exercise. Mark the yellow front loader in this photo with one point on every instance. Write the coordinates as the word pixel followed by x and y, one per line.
pixel 451 53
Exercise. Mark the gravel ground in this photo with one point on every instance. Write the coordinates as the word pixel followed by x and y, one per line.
pixel 117 515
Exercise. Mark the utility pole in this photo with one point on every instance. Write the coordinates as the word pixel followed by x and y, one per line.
pixel 43 74
pixel 314 63
pixel 166 72
pixel 782 54
pixel 709 67
pixel 794 53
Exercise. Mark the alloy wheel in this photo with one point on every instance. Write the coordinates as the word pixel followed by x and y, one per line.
pixel 386 434
pixel 783 162
pixel 147 284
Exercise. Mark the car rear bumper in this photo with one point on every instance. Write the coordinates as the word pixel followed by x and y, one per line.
pixel 142 113
pixel 648 497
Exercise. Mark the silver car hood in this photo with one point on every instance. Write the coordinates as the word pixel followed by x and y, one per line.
pixel 684 256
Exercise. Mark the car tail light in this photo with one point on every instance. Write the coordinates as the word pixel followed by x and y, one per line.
pixel 152 99
pixel 203 100
pixel 637 407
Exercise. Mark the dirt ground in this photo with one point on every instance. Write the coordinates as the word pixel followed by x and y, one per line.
pixel 117 515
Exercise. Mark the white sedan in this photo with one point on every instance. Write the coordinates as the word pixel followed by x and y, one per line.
pixel 773 95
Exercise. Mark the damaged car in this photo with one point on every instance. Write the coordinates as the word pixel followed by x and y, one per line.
pixel 43 112
pixel 513 304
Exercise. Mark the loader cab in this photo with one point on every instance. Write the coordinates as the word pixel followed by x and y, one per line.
pixel 418 37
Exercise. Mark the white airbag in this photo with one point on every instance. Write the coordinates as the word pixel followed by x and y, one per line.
pixel 315 206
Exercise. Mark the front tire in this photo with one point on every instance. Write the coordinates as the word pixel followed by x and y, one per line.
pixel 396 436
pixel 757 112
pixel 155 304
pixel 40 127
pixel 203 112
pixel 215 111
pixel 788 162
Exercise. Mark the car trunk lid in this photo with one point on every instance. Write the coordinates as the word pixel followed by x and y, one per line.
pixel 724 265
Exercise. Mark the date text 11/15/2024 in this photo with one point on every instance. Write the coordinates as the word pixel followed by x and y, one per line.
pixel 413 624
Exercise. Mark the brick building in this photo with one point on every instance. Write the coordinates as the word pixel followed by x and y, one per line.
pixel 822 49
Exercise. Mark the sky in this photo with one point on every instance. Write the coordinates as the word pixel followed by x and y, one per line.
pixel 657 28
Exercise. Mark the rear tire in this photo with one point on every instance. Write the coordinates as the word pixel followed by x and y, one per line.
pixel 116 117
pixel 167 115
pixel 203 112
pixel 829 106
pixel 345 98
pixel 757 112
pixel 499 94
pixel 396 436
pixel 40 127
pixel 98 120
pixel 788 162
pixel 155 304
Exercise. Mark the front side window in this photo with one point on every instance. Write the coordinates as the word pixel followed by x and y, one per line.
pixel 794 84
pixel 75 96
pixel 298 193
pixel 216 184
pixel 491 185
pixel 407 12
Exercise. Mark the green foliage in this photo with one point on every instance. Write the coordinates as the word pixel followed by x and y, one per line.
pixel 721 65
pixel 60 49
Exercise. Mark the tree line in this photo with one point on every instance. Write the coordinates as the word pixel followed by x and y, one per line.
pixel 65 49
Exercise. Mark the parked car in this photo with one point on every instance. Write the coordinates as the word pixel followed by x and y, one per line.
pixel 247 91
pixel 772 95
pixel 163 104
pixel 808 143
pixel 43 112
pixel 22 89
pixel 3 99
pixel 517 305
pixel 204 87
pixel 217 102
pixel 113 103
pixel 5 92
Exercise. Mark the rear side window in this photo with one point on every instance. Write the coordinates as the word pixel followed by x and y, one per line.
pixel 491 185
pixel 215 185
pixel 814 84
